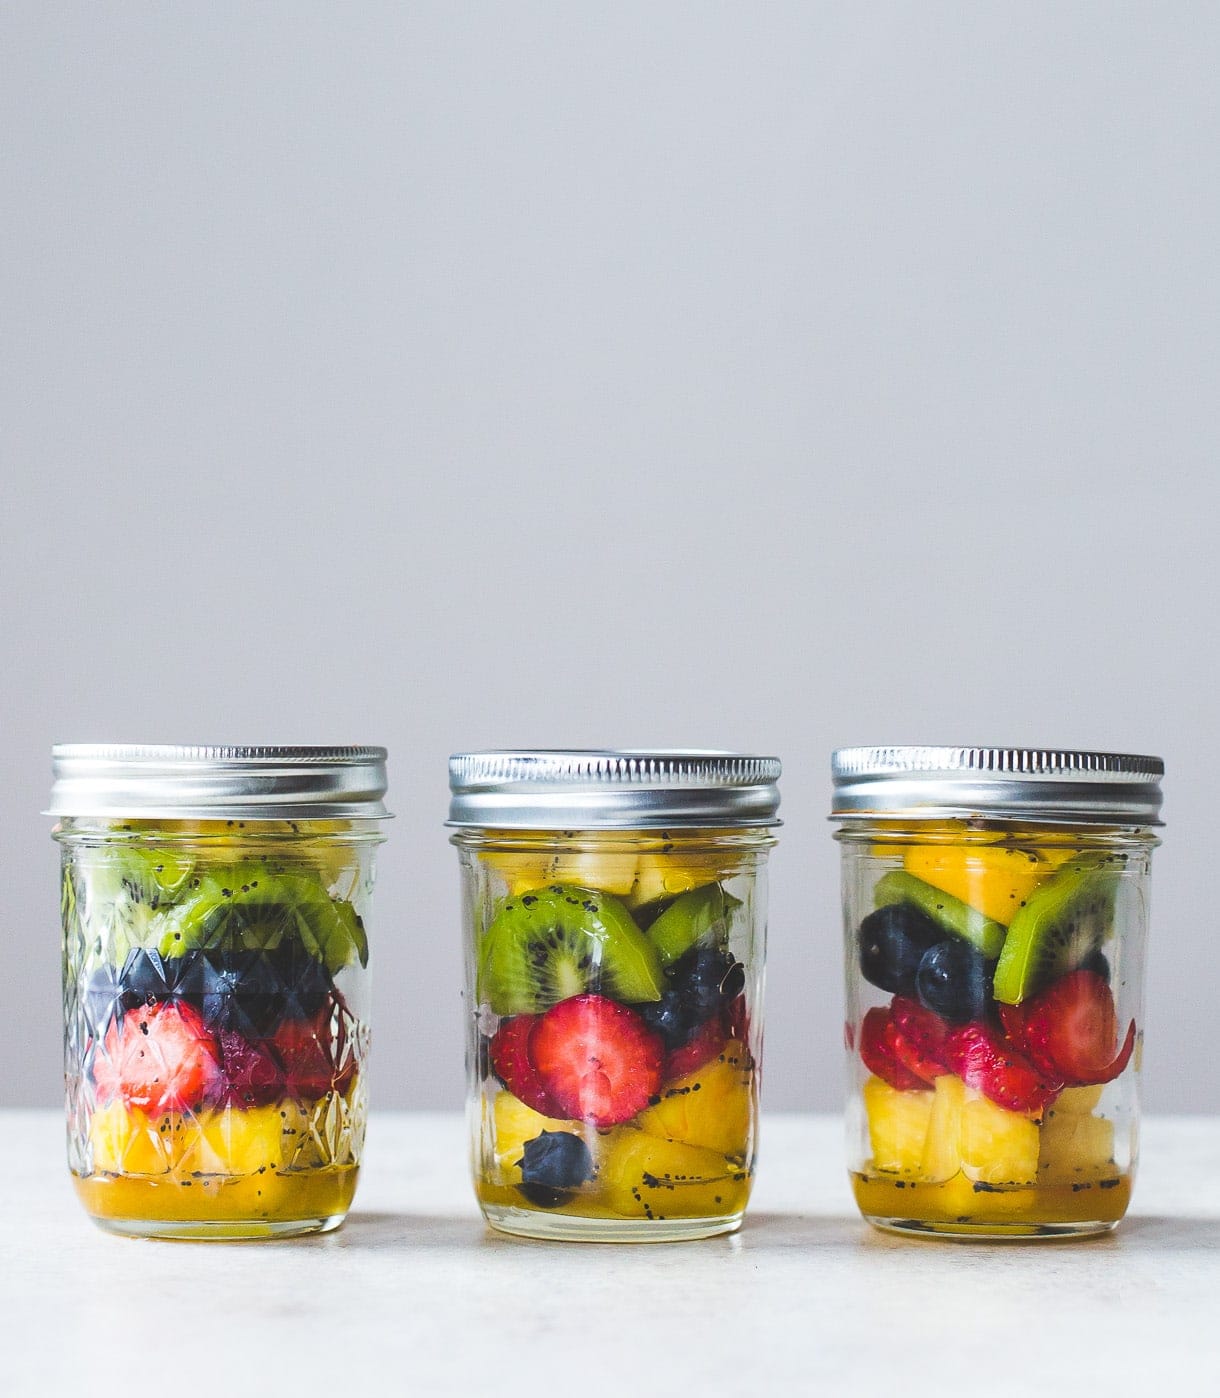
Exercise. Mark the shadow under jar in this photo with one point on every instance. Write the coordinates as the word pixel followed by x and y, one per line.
pixel 215 904
pixel 615 923
pixel 996 914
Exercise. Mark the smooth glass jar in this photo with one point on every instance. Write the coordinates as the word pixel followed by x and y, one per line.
pixel 614 978
pixel 216 984
pixel 996 916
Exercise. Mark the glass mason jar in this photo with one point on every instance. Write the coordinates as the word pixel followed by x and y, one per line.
pixel 996 911
pixel 614 906
pixel 215 904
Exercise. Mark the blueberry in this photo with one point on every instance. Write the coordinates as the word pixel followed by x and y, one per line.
pixel 954 981
pixel 707 979
pixel 554 1164
pixel 253 991
pixel 672 1016
pixel 147 976
pixel 892 942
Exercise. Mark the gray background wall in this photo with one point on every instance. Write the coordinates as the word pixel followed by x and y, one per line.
pixel 771 376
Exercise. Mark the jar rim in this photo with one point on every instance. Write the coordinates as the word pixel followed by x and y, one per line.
pixel 208 782
pixel 1062 786
pixel 612 789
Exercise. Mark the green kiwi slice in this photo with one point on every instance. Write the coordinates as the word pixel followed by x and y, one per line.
pixel 248 907
pixel 562 940
pixel 957 918
pixel 124 892
pixel 1060 925
pixel 703 914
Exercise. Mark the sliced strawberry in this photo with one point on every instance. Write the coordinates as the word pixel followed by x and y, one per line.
pixel 917 1039
pixel 598 1059
pixel 987 1062
pixel 703 1045
pixel 315 1054
pixel 877 1051
pixel 159 1058
pixel 511 1063
pixel 737 1019
pixel 250 1074
pixel 1070 1030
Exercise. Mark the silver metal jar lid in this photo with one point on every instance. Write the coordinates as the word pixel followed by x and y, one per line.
pixel 1039 784
pixel 209 783
pixel 595 790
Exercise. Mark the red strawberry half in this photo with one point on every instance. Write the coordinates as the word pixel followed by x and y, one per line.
pixel 703 1045
pixel 511 1063
pixel 917 1039
pixel 159 1058
pixel 877 1051
pixel 986 1061
pixel 250 1076
pixel 315 1054
pixel 597 1059
pixel 1070 1030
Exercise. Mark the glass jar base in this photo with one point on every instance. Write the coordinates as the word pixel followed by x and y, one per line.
pixel 992 1232
pixel 569 1228
pixel 218 1230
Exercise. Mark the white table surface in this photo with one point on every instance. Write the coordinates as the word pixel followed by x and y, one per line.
pixel 414 1295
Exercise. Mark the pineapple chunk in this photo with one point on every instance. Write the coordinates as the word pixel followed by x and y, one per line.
pixel 233 1141
pixel 711 1107
pixel 666 875
pixel 1076 1147
pixel 897 1126
pixel 995 879
pixel 960 1199
pixel 942 1149
pixel 608 871
pixel 513 1123
pixel 643 1176
pixel 997 1147
pixel 127 1142
pixel 1075 1101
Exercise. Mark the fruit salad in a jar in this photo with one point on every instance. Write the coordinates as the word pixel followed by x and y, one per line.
pixel 214 912
pixel 618 1080
pixel 216 1023
pixel 994 1035
pixel 615 1028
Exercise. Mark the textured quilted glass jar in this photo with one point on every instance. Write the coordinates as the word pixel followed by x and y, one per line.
pixel 614 909
pixel 215 906
pixel 996 915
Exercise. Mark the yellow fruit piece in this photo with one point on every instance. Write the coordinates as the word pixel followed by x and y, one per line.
pixel 643 1176
pixel 958 1198
pixel 325 1132
pixel 1075 1101
pixel 127 1142
pixel 1076 1147
pixel 666 875
pixel 518 870
pixel 513 1123
pixel 232 1141
pixel 994 879
pixel 610 871
pixel 942 1148
pixel 997 1147
pixel 712 1107
pixel 897 1126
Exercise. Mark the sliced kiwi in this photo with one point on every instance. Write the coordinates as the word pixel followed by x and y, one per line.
pixel 247 907
pixel 1061 925
pixel 699 916
pixel 957 918
pixel 550 943
pixel 124 893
